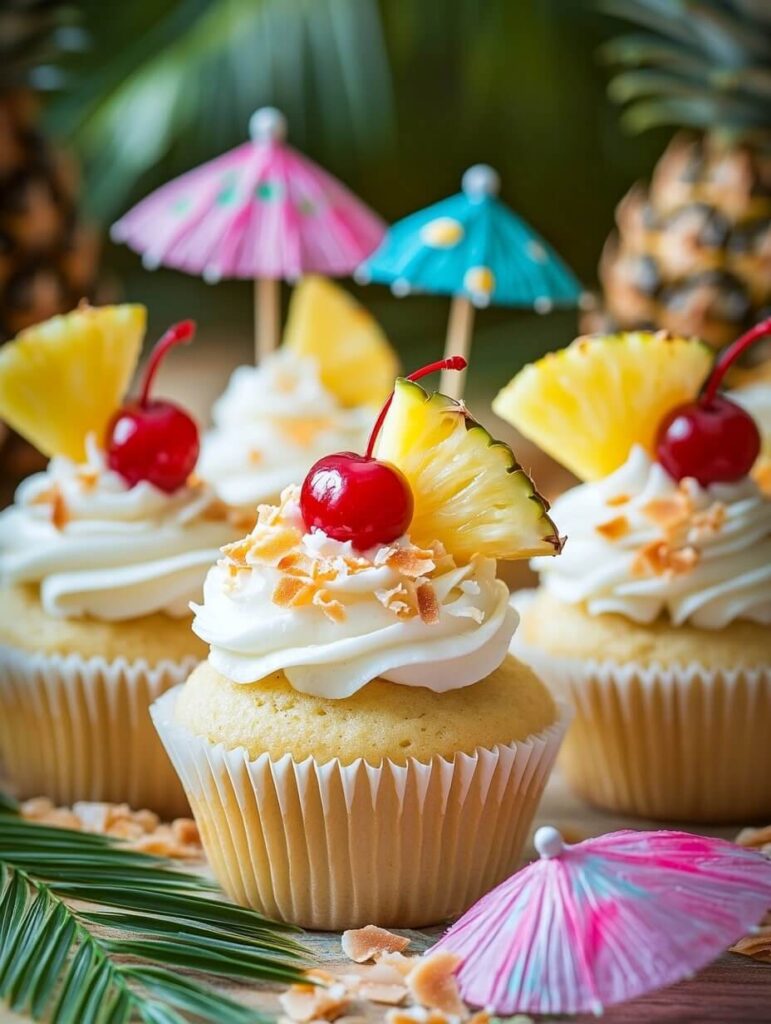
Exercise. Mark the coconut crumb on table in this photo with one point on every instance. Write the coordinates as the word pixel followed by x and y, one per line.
pixel 758 944
pixel 141 830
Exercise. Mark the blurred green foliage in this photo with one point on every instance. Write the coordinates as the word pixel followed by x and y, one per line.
pixel 397 97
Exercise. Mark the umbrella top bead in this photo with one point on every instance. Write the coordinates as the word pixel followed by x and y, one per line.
pixel 267 124
pixel 480 181
pixel 548 842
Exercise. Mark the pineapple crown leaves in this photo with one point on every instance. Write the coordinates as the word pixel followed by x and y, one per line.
pixel 64 961
pixel 703 64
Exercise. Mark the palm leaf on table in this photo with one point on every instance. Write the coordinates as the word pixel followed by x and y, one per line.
pixel 64 961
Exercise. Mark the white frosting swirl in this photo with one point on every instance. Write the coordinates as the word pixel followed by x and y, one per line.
pixel 641 544
pixel 100 548
pixel 271 424
pixel 756 399
pixel 396 612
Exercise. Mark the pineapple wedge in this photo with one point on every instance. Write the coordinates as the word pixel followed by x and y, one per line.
pixel 356 361
pixel 470 492
pixel 63 379
pixel 589 403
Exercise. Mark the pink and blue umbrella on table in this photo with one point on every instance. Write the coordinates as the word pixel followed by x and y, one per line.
pixel 606 920
pixel 262 212
pixel 471 246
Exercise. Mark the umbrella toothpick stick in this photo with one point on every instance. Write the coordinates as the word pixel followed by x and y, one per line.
pixel 458 343
pixel 267 316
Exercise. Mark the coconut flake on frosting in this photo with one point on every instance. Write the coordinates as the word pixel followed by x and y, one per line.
pixel 643 545
pixel 271 424
pixel 101 548
pixel 333 618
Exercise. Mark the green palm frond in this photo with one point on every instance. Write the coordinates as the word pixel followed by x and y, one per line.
pixel 64 961
pixel 184 76
pixel 703 64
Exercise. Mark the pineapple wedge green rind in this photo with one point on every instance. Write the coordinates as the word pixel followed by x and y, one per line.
pixel 64 378
pixel 470 492
pixel 590 403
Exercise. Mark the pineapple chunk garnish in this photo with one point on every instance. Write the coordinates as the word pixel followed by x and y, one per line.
pixel 470 493
pixel 356 362
pixel 590 403
pixel 64 378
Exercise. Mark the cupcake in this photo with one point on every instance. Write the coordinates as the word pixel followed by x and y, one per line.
pixel 655 621
pixel 359 744
pixel 100 556
pixel 318 393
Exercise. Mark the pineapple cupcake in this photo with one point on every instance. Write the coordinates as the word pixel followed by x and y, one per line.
pixel 317 393
pixel 359 745
pixel 100 556
pixel 655 622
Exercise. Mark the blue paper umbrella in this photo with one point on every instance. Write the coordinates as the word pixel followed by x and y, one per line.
pixel 473 247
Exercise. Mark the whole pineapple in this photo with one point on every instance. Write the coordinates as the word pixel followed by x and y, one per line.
pixel 692 251
pixel 47 257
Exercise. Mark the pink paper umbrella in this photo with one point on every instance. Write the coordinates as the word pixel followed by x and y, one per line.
pixel 606 920
pixel 261 211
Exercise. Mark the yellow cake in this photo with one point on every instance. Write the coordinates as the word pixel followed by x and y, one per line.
pixel 100 556
pixel 656 620
pixel 359 744
pixel 381 721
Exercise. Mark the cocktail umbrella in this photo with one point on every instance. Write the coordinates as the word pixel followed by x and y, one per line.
pixel 474 248
pixel 261 211
pixel 606 920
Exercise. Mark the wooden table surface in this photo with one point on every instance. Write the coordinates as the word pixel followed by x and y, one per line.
pixel 733 990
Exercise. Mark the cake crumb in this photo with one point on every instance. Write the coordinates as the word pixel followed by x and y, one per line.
pixel 369 942
pixel 433 984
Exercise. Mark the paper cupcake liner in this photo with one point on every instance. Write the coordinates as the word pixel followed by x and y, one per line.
pixel 681 743
pixel 332 846
pixel 73 728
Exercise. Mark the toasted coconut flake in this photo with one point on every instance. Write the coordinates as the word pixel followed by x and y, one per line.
pixel 88 477
pixel 216 511
pixel 369 942
pixel 390 995
pixel 614 529
pixel 761 473
pixel 303 431
pixel 269 546
pixel 291 592
pixel 396 961
pixel 660 559
pixel 194 481
pixel 709 522
pixel 255 457
pixel 432 983
pixel 60 513
pixel 416 1015
pixel 237 552
pixel 757 945
pixel 304 1003
pixel 332 608
pixel 428 604
pixel 401 600
pixel 758 838
pixel 618 499
pixel 411 562
pixel 242 520
pixel 296 563
pixel 670 513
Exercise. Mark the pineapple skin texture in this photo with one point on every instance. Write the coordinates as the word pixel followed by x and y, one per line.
pixel 382 720
pixel 690 252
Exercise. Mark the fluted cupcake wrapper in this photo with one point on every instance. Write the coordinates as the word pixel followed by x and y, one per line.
pixel 74 728
pixel 681 743
pixel 334 846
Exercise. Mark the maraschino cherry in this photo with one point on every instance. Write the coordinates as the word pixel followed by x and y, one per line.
pixel 154 439
pixel 712 439
pixel 358 498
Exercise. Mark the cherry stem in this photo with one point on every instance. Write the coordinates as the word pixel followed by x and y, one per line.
pixel 729 357
pixel 453 363
pixel 179 334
